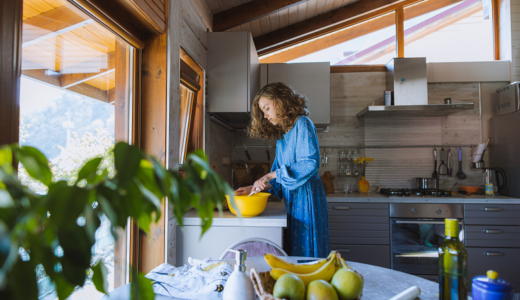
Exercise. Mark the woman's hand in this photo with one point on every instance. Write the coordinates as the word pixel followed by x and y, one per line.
pixel 246 190
pixel 263 183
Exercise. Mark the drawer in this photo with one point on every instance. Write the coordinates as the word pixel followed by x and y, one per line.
pixel 359 219
pixel 358 209
pixel 372 255
pixel 492 236
pixel 350 237
pixel 492 214
pixel 360 227
pixel 506 261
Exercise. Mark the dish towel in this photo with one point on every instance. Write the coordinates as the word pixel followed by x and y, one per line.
pixel 206 279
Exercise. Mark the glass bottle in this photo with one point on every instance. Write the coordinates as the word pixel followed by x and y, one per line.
pixel 342 155
pixel 348 170
pixel 452 264
pixel 355 155
pixel 341 170
pixel 349 155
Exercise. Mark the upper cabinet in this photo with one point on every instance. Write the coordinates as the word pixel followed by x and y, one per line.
pixel 309 79
pixel 233 73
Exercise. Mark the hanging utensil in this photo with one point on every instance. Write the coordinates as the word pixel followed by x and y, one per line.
pixel 460 174
pixel 245 150
pixel 443 169
pixel 450 166
pixel 435 175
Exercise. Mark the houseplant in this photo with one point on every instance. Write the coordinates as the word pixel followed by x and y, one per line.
pixel 39 225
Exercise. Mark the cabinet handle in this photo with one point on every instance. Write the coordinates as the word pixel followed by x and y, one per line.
pixel 341 207
pixel 343 250
pixel 495 253
pixel 493 209
pixel 494 231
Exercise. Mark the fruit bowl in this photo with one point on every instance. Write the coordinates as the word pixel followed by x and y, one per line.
pixel 470 189
pixel 250 206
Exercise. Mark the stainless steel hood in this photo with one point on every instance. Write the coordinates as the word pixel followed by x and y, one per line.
pixel 406 78
pixel 434 110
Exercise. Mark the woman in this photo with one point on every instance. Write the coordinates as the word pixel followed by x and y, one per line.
pixel 279 113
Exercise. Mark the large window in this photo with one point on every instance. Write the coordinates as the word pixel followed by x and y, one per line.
pixel 74 105
pixel 440 30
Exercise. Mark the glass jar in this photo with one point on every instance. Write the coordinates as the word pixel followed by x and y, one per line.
pixel 348 169
pixel 355 155
pixel 341 170
pixel 342 155
pixel 349 154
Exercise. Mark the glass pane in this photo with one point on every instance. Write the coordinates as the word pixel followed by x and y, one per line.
pixel 74 106
pixel 370 42
pixel 459 32
pixel 186 104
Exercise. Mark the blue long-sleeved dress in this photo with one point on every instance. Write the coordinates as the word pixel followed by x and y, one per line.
pixel 298 183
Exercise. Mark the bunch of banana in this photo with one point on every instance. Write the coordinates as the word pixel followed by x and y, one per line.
pixel 324 269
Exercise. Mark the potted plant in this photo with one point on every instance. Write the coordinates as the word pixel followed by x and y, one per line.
pixel 38 225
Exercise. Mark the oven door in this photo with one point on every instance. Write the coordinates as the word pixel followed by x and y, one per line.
pixel 415 243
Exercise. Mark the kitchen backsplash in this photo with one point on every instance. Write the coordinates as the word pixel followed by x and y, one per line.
pixel 350 93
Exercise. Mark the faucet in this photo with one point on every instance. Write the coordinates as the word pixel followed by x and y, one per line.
pixel 233 172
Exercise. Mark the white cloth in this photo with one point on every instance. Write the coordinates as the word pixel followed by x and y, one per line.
pixel 191 282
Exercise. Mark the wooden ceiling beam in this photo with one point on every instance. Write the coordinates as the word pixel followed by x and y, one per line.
pixel 68 80
pixel 248 12
pixel 356 31
pixel 84 89
pixel 326 23
pixel 52 23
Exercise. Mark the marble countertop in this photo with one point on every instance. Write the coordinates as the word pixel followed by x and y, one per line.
pixel 274 215
pixel 459 198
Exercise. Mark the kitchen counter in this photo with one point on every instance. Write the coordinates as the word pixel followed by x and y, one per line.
pixel 459 198
pixel 274 215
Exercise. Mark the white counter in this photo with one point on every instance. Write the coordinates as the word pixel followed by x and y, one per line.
pixel 459 198
pixel 274 215
pixel 227 229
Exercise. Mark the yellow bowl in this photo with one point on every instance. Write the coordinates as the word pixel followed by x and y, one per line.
pixel 249 206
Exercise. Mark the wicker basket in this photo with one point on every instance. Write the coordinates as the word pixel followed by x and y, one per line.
pixel 264 285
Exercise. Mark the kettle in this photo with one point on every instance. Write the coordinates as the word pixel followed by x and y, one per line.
pixel 490 181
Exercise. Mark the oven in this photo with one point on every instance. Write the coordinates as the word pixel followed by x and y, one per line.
pixel 416 232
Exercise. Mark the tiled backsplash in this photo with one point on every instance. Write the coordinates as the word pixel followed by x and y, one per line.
pixel 392 167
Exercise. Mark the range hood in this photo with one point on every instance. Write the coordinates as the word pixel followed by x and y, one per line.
pixel 406 78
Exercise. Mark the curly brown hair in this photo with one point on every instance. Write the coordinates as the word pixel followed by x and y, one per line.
pixel 289 106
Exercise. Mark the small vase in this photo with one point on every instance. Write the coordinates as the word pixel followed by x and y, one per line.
pixel 363 185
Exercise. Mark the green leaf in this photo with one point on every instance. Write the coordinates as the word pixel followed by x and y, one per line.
pixel 88 171
pixel 5 199
pixel 99 277
pixel 127 159
pixel 66 203
pixel 6 156
pixel 141 287
pixel 35 163
pixel 22 281
pixel 63 287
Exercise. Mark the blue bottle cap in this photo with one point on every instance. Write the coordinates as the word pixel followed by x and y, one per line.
pixel 491 282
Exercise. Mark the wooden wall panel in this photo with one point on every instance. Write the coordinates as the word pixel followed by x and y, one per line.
pixel 10 63
pixel 153 137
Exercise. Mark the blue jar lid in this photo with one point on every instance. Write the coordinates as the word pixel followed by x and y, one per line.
pixel 491 282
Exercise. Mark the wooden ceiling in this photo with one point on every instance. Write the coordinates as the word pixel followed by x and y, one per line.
pixel 288 15
pixel 64 47
pixel 282 24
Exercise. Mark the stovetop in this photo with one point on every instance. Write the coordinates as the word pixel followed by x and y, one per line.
pixel 415 193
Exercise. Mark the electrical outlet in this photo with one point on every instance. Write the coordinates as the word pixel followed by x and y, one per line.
pixel 226 161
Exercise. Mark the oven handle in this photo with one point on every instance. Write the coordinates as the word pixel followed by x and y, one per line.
pixel 422 222
pixel 423 254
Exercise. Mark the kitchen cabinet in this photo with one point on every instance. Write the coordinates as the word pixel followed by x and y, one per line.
pixel 361 232
pixel 492 239
pixel 233 75
pixel 309 79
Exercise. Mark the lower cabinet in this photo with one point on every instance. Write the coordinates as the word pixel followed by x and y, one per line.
pixel 506 261
pixel 367 254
